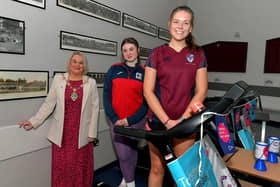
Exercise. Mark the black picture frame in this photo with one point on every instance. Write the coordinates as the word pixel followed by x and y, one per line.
pixel 139 25
pixel 163 34
pixel 23 84
pixel 99 78
pixel 93 9
pixel 144 53
pixel 12 36
pixel 78 42
pixel 55 72
pixel 36 3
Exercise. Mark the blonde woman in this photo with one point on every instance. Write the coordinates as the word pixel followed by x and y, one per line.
pixel 73 99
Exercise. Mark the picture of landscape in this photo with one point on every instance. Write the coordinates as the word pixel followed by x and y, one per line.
pixel 23 84
pixel 73 41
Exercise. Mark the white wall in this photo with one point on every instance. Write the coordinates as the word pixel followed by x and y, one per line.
pixel 256 21
pixel 25 156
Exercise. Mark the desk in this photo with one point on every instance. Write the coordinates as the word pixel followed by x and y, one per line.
pixel 243 161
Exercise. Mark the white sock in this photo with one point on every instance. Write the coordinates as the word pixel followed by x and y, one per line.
pixel 122 184
pixel 131 184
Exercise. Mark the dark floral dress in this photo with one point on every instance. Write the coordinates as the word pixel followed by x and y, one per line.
pixel 72 167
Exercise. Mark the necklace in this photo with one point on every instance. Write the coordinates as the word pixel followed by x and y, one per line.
pixel 74 95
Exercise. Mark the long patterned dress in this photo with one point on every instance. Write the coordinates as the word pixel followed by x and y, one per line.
pixel 72 167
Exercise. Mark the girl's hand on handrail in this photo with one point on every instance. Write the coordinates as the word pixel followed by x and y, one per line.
pixel 172 123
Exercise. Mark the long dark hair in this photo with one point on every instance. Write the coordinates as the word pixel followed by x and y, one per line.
pixel 133 41
pixel 190 40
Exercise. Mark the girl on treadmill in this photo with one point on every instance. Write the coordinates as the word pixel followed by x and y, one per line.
pixel 175 80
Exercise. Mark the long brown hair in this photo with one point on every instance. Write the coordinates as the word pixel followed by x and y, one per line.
pixel 190 40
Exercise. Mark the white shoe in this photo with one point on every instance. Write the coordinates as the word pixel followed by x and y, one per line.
pixel 122 184
pixel 130 184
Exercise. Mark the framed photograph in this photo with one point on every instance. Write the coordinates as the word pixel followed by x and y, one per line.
pixel 144 53
pixel 99 77
pixel 137 24
pixel 35 3
pixel 92 8
pixel 163 34
pixel 55 72
pixel 12 36
pixel 21 84
pixel 73 41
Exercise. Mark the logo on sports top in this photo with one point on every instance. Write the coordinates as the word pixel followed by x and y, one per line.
pixel 139 76
pixel 167 58
pixel 190 58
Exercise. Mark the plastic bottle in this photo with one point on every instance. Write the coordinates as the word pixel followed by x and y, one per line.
pixel 197 107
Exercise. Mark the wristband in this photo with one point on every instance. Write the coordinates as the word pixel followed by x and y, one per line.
pixel 182 118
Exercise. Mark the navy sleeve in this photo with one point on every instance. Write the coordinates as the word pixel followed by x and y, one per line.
pixel 152 59
pixel 107 97
pixel 139 115
pixel 203 61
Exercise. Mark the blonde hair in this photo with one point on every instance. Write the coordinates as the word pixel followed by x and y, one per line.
pixel 85 61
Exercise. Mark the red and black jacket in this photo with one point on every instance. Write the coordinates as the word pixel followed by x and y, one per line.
pixel 123 93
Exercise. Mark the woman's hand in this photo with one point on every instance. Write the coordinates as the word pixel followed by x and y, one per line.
pixel 26 125
pixel 122 122
pixel 91 139
pixel 94 141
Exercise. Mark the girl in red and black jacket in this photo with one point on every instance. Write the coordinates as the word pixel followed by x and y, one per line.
pixel 124 105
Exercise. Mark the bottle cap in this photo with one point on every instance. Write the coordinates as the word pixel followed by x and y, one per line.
pixel 197 107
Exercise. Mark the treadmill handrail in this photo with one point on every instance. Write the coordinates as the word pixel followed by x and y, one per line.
pixel 190 125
